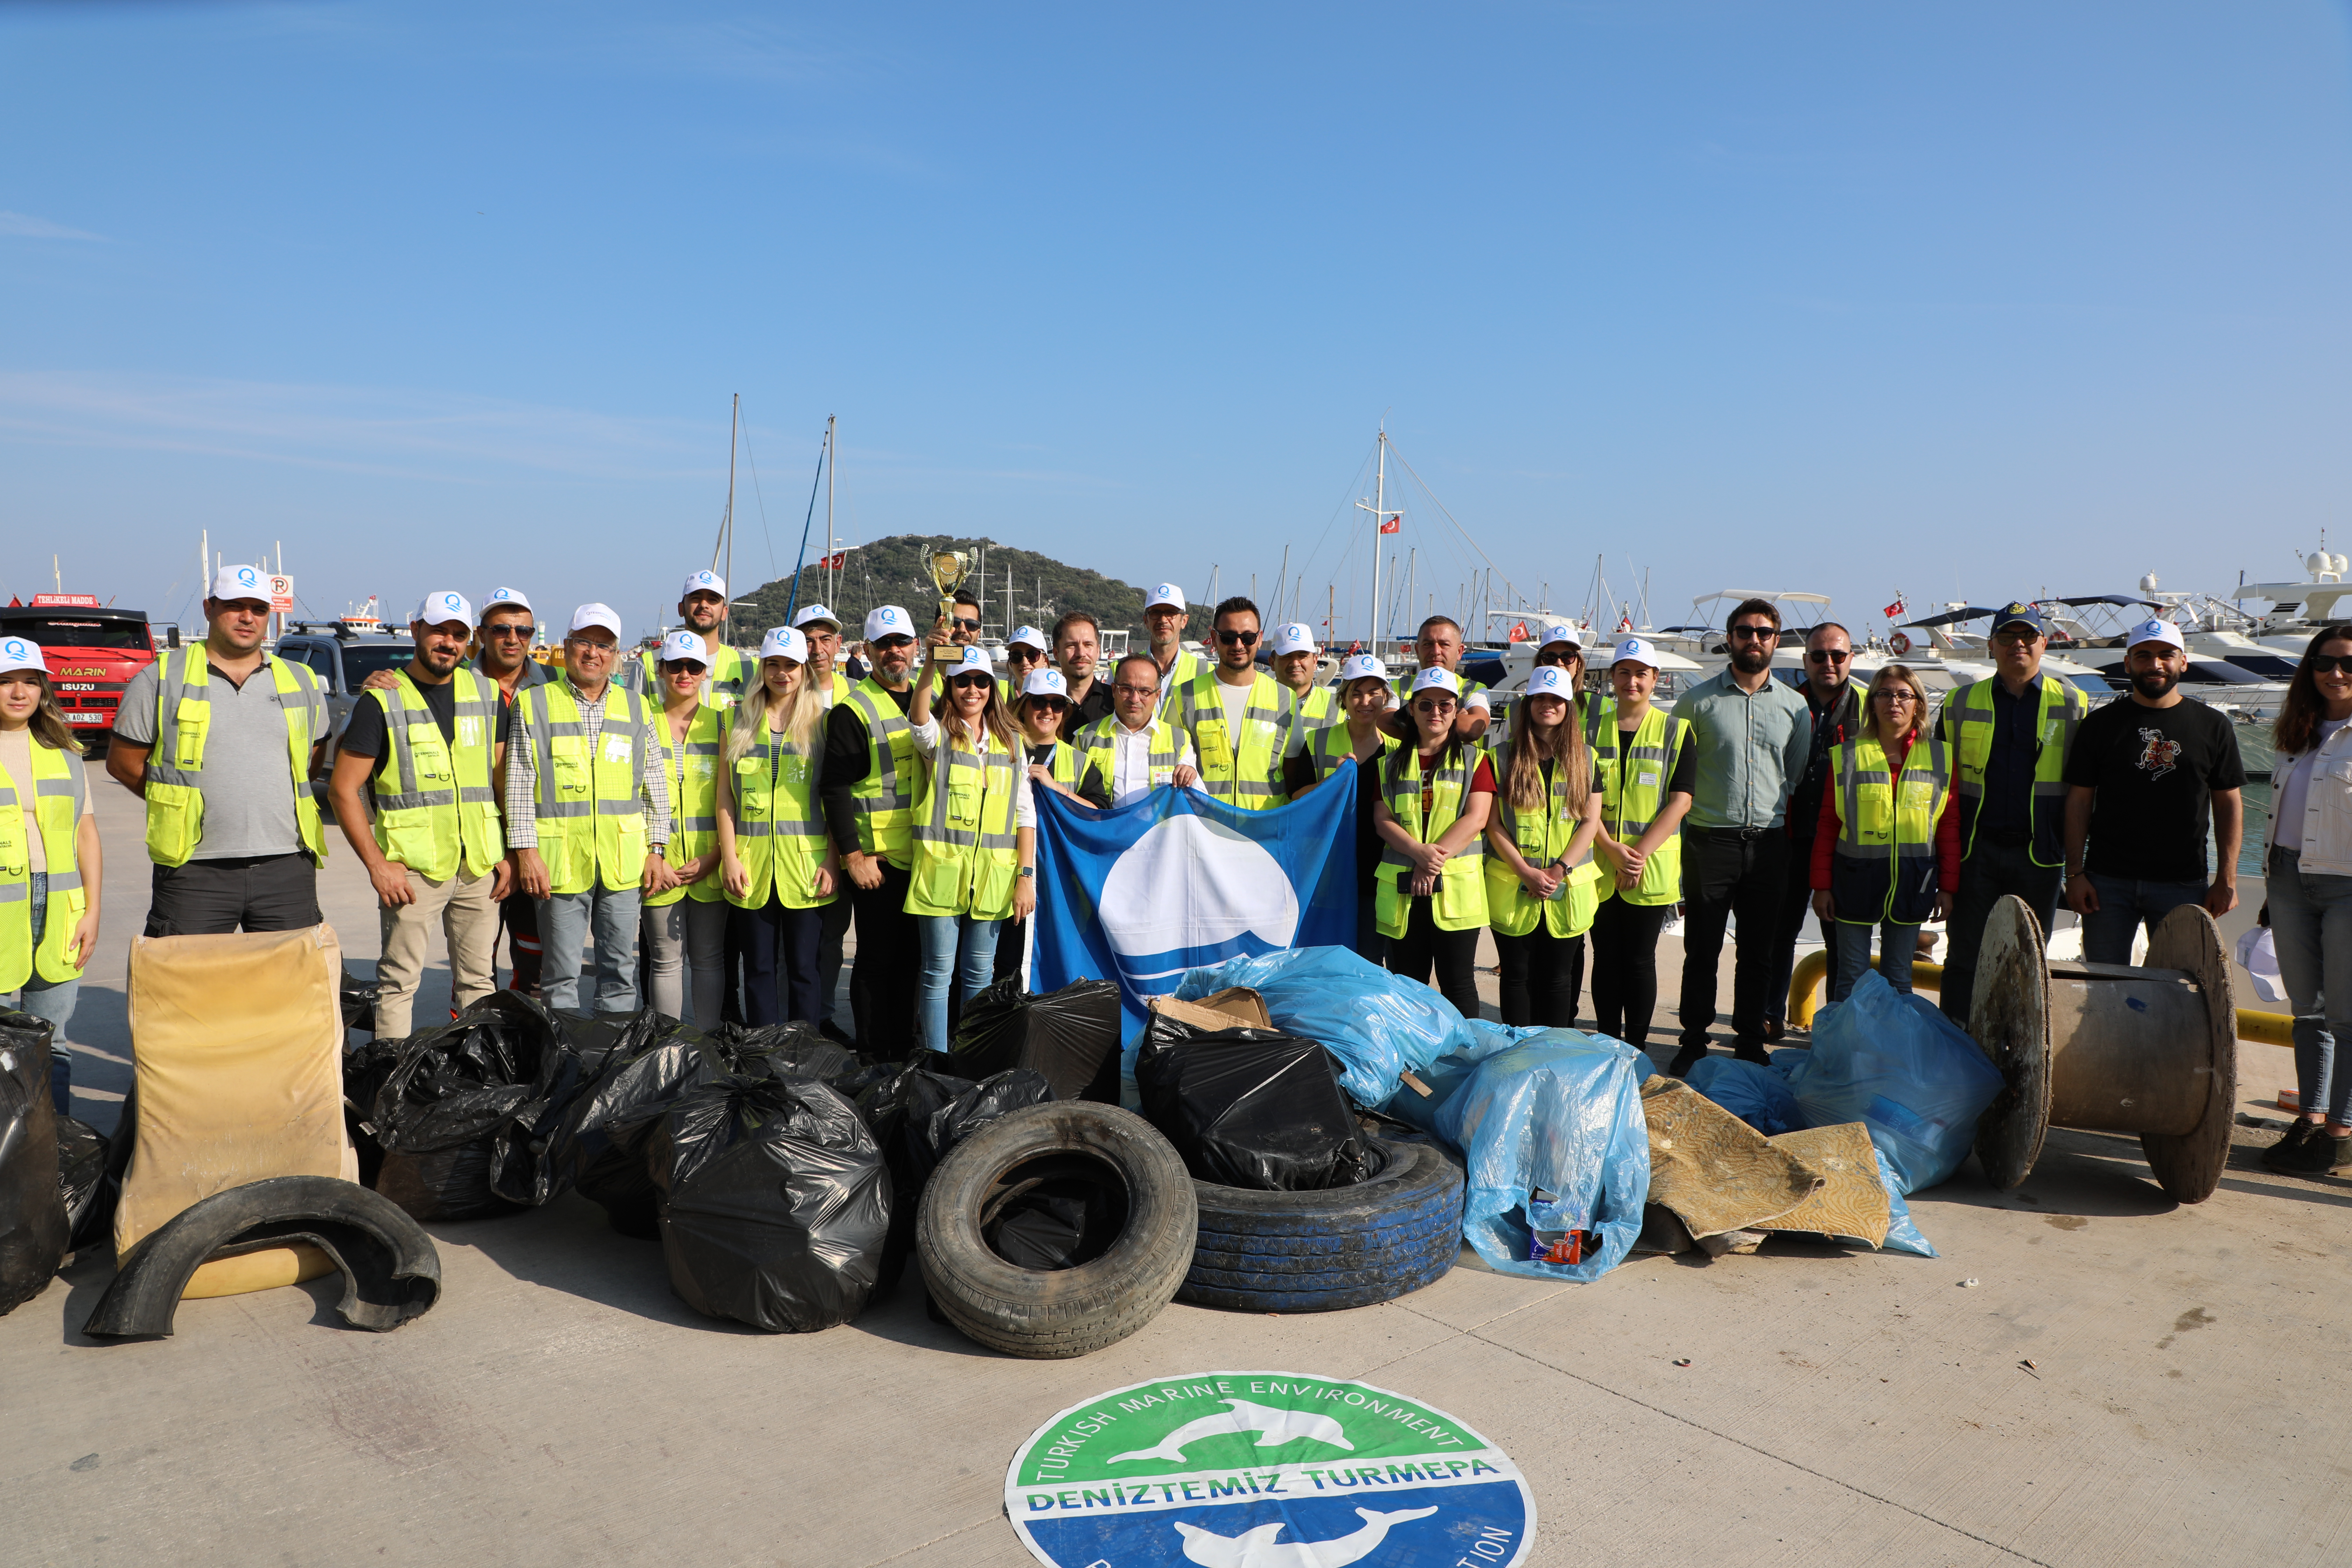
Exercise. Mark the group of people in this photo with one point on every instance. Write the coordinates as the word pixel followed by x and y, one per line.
pixel 717 822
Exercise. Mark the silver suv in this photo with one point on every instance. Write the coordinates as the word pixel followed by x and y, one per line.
pixel 343 658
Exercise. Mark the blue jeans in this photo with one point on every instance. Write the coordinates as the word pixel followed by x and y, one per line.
pixel 50 1000
pixel 2311 927
pixel 957 950
pixel 1850 955
pixel 564 924
pixel 2125 904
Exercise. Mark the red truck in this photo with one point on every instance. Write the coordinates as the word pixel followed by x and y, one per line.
pixel 92 653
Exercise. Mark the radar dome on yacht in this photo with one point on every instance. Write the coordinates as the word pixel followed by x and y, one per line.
pixel 2316 561
pixel 2339 565
pixel 2148 584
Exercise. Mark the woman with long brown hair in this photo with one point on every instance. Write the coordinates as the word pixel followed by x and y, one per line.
pixel 1887 850
pixel 2307 879
pixel 1542 885
pixel 778 866
pixel 49 867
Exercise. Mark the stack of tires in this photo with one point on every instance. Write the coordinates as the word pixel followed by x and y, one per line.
pixel 1398 1229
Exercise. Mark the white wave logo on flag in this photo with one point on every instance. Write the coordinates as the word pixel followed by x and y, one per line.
pixel 1191 892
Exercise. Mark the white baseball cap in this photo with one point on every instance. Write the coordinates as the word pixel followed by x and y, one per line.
pixel 442 606
pixel 1549 681
pixel 2164 632
pixel 686 645
pixel 503 599
pixel 1638 650
pixel 1293 638
pixel 21 653
pixel 1561 631
pixel 704 582
pixel 817 612
pixel 785 642
pixel 240 583
pixel 973 658
pixel 1166 593
pixel 1045 683
pixel 602 616
pixel 1362 667
pixel 889 621
pixel 1437 679
pixel 1029 635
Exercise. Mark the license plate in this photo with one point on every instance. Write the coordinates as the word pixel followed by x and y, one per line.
pixel 90 718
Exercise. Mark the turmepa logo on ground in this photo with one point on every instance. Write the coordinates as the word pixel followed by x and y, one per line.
pixel 1265 1470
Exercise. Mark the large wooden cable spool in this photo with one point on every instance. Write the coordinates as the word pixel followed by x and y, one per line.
pixel 2109 1047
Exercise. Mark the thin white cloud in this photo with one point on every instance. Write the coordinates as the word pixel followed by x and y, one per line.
pixel 24 226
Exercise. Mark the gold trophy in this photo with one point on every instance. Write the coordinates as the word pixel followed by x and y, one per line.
pixel 949 569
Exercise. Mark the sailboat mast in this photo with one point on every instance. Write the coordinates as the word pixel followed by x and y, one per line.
pixel 725 549
pixel 831 461
pixel 1380 509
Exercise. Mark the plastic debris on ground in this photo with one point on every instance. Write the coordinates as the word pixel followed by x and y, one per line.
pixel 1897 1063
pixel 1422 1093
pixel 917 1115
pixel 34 1229
pixel 1071 1035
pixel 1249 1108
pixel 774 1202
pixel 1759 1096
pixel 1379 1025
pixel 357 998
pixel 1560 1117
pixel 1713 1171
pixel 82 1179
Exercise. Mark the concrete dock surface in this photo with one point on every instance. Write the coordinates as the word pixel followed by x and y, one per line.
pixel 2089 1374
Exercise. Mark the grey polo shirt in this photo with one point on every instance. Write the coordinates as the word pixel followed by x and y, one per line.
pixel 249 785
pixel 1751 751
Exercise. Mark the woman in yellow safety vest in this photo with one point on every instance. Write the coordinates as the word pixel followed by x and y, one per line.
pixel 1887 850
pixel 975 832
pixel 1431 894
pixel 1358 742
pixel 1542 885
pixel 49 871
pixel 779 865
pixel 1645 764
pixel 686 926
pixel 1054 764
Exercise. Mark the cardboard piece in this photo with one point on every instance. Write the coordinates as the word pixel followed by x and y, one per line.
pixel 1235 1005
pixel 1715 1173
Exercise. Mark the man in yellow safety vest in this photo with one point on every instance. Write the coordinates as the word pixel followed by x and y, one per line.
pixel 1165 617
pixel 822 628
pixel 1236 717
pixel 702 606
pixel 870 786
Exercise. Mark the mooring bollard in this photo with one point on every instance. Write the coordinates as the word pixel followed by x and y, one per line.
pixel 2109 1047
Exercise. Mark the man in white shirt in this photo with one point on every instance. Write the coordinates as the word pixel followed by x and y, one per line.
pixel 1136 749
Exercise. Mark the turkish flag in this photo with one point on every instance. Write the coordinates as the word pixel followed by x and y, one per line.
pixel 1896 608
pixel 1393 525
pixel 1519 632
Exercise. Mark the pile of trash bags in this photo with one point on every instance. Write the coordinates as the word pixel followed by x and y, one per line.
pixel 1249 1108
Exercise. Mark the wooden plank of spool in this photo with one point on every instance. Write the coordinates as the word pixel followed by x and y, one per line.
pixel 2009 1012
pixel 2188 1166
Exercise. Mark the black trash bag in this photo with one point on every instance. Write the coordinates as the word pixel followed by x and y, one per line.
pixel 1072 1036
pixel 1056 1220
pixel 445 1113
pixel 774 1202
pixel 918 1115
pixel 1249 1108
pixel 359 1001
pixel 81 1178
pixel 597 1142
pixel 34 1229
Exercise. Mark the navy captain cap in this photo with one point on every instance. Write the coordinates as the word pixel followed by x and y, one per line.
pixel 2019 613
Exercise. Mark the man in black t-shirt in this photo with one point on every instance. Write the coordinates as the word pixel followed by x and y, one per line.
pixel 2146 774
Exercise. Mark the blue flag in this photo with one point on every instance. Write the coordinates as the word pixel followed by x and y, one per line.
pixel 1176 880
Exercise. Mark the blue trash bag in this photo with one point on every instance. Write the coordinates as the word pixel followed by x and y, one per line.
pixel 1562 1114
pixel 1757 1095
pixel 1379 1025
pixel 1452 1071
pixel 1902 1236
pixel 1894 1062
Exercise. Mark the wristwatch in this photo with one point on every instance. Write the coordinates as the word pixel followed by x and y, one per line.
pixel 1028 870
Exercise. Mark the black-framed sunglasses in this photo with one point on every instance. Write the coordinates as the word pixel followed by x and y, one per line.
pixel 1562 659
pixel 1828 655
pixel 880 643
pixel 972 677
pixel 1754 632
pixel 504 633
pixel 964 623
pixel 1243 639
pixel 1049 704
pixel 2330 664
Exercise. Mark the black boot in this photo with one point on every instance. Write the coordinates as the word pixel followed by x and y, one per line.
pixel 2319 1154
pixel 2298 1133
pixel 1684 1059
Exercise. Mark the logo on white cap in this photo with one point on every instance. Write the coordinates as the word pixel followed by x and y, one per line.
pixel 1166 593
pixel 1364 667
pixel 686 645
pixel 508 596
pixel 785 642
pixel 1549 681
pixel 240 583
pixel 817 612
pixel 1560 631
pixel 1637 650
pixel 888 621
pixel 21 653
pixel 1293 638
pixel 1437 679
pixel 434 609
pixel 1029 636
pixel 2164 632
pixel 602 616
pixel 704 582
pixel 1045 683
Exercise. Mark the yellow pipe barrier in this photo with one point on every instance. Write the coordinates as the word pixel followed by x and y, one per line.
pixel 1805 986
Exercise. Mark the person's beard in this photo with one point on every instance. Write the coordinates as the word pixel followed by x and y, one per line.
pixel 1749 658
pixel 2155 684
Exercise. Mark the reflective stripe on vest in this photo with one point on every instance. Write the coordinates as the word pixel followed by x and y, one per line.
pixel 722 688
pixel 174 785
pixel 591 808
pixel 883 798
pixel 1249 776
pixel 691 767
pixel 779 822
pixel 1968 729
pixel 1332 746
pixel 966 846
pixel 1631 798
pixel 1098 742
pixel 432 804
pixel 1461 897
pixel 1542 842
pixel 1885 865
pixel 56 791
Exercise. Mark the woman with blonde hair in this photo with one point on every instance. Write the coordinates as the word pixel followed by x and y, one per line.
pixel 780 866
pixel 49 868
pixel 1887 850
pixel 976 830
pixel 686 924
pixel 1542 885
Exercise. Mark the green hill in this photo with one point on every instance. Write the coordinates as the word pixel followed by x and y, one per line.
pixel 892 572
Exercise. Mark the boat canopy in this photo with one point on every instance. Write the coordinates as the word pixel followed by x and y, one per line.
pixel 1952 617
pixel 2125 600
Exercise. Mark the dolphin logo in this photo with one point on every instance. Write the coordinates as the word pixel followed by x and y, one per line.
pixel 1259 1549
pixel 1274 1428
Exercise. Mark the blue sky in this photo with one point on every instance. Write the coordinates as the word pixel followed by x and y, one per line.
pixel 1963 300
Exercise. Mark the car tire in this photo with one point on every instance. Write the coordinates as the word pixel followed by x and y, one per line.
pixel 1398 1229
pixel 1104 1298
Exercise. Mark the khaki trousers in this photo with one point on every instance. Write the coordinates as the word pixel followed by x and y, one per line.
pixel 468 919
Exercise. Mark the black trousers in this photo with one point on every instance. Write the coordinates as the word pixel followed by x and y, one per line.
pixel 1011 939
pixel 1370 943
pixel 1542 976
pixel 890 956
pixel 1992 872
pixel 1454 954
pixel 1625 968
pixel 245 892
pixel 780 962
pixel 1796 903
pixel 1729 873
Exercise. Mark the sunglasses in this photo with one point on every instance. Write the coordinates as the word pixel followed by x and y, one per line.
pixel 1561 660
pixel 883 644
pixel 507 633
pixel 1828 655
pixel 964 624
pixel 1049 704
pixel 1243 639
pixel 971 679
pixel 1756 632
pixel 2330 664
